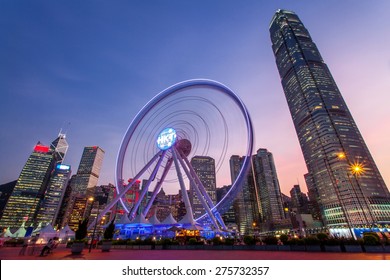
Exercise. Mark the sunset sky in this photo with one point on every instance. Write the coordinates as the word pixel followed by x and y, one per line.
pixel 89 66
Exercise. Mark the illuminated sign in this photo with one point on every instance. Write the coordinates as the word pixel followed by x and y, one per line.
pixel 41 148
pixel 63 167
pixel 166 139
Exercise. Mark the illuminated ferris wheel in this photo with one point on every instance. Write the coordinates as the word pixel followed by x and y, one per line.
pixel 192 118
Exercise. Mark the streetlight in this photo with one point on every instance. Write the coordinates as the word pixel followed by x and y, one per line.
pixel 94 228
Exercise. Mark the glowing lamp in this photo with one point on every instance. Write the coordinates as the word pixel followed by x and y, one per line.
pixel 357 169
pixel 341 155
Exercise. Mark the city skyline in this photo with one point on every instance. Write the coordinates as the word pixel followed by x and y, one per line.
pixel 98 77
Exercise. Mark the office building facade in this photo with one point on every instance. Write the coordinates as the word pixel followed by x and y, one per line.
pixel 246 204
pixel 26 198
pixel 267 190
pixel 341 171
pixel 88 172
pixel 54 195
pixel 205 170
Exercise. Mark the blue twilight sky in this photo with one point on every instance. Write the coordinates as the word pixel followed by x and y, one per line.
pixel 94 64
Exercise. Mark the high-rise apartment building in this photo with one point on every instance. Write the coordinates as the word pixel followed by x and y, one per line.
pixel 342 173
pixel 26 198
pixel 268 192
pixel 204 167
pixel 54 195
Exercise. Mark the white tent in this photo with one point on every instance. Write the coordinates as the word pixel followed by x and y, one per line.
pixel 66 232
pixel 37 229
pixel 48 232
pixel 153 220
pixel 124 220
pixel 21 232
pixel 169 220
pixel 140 219
pixel 8 233
pixel 187 219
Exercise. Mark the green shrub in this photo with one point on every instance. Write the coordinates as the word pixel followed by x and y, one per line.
pixel 229 241
pixel 283 238
pixel 193 241
pixel 217 241
pixel 119 242
pixel 332 242
pixel 371 239
pixel 322 236
pixel 312 240
pixel 270 240
pixel 296 241
pixel 249 240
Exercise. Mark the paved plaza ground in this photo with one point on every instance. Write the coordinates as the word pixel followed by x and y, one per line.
pixel 62 253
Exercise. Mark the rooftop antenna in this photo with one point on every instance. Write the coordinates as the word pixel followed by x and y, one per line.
pixel 66 128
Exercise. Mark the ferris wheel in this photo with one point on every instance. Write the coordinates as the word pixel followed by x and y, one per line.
pixel 197 117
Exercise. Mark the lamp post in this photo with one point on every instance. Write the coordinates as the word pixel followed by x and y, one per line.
pixel 96 222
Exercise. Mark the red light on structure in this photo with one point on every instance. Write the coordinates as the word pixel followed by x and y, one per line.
pixel 131 180
pixel 41 149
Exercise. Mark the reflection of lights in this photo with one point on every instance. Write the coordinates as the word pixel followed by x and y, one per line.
pixel 357 168
pixel 341 155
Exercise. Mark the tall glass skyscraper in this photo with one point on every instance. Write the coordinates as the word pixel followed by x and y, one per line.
pixel 347 184
pixel 26 198
pixel 268 191
pixel 246 203
pixel 205 169
pixel 88 172
pixel 54 195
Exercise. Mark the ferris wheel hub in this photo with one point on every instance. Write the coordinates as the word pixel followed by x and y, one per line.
pixel 184 146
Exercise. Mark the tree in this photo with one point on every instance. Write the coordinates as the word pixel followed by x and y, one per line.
pixel 109 231
pixel 82 230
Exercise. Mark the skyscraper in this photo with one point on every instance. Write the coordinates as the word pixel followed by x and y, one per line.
pixel 246 204
pixel 268 192
pixel 83 185
pixel 349 188
pixel 205 169
pixel 5 192
pixel 54 195
pixel 24 202
pixel 88 172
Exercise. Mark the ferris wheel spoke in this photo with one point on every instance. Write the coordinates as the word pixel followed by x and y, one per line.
pixel 203 191
pixel 124 191
pixel 184 193
pixel 196 188
pixel 146 187
pixel 158 186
